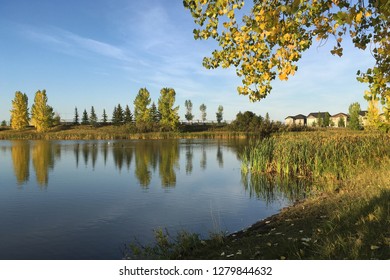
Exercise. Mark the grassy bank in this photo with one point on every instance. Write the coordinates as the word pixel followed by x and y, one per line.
pixel 111 133
pixel 346 216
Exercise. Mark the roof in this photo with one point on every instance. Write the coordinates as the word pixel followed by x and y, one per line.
pixel 318 114
pixel 363 113
pixel 340 114
pixel 297 117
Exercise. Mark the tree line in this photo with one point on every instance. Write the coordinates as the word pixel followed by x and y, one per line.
pixel 147 116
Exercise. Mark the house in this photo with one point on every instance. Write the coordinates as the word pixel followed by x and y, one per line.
pixel 313 119
pixel 297 120
pixel 363 117
pixel 335 119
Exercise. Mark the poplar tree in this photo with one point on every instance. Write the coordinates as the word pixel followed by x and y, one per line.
pixel 267 41
pixel 169 114
pixel 219 114
pixel 203 113
pixel 354 122
pixel 41 113
pixel 141 109
pixel 19 112
pixel 189 116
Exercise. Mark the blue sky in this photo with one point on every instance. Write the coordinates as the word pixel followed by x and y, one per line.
pixel 102 52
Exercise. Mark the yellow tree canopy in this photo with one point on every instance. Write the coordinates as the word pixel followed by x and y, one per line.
pixel 268 42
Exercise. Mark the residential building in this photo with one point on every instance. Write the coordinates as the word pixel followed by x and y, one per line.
pixel 335 119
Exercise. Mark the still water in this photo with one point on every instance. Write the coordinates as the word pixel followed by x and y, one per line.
pixel 86 199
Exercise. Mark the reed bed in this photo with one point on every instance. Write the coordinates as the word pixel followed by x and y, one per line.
pixel 107 133
pixel 316 154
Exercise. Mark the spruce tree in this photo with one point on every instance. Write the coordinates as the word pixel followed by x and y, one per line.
pixel 84 118
pixel 104 117
pixel 128 116
pixel 76 119
pixel 92 117
pixel 154 113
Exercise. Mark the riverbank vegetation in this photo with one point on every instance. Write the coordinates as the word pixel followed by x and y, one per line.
pixel 345 215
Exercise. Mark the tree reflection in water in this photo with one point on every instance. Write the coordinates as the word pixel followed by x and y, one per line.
pixel 43 161
pixel 270 188
pixel 20 151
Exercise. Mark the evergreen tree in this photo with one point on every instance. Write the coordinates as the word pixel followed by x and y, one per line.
pixel 154 113
pixel 169 114
pixel 19 112
pixel 119 114
pixel 114 119
pixel 189 116
pixel 84 118
pixel 128 116
pixel 104 117
pixel 203 109
pixel 267 118
pixel 92 117
pixel 219 114
pixel 354 122
pixel 3 123
pixel 41 113
pixel 141 110
pixel 76 119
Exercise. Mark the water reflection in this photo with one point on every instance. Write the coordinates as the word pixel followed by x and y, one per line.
pixel 145 159
pixel 271 188
pixel 21 160
pixel 43 160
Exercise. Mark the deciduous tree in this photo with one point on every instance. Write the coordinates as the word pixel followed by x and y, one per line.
pixel 141 109
pixel 169 114
pixel 269 41
pixel 189 116
pixel 19 112
pixel 219 114
pixel 41 113
pixel 203 113
pixel 354 122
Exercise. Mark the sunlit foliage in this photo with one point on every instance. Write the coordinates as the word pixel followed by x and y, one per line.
pixel 19 112
pixel 268 42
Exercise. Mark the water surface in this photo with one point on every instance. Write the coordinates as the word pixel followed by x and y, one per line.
pixel 85 199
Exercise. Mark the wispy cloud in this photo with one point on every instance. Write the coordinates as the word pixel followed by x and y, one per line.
pixel 73 44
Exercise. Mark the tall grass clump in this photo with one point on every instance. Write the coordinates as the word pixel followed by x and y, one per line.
pixel 314 154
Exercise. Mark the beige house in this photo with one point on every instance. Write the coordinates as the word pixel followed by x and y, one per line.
pixel 363 117
pixel 314 118
pixel 336 119
pixel 297 120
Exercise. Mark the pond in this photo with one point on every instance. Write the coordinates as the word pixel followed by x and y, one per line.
pixel 86 199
